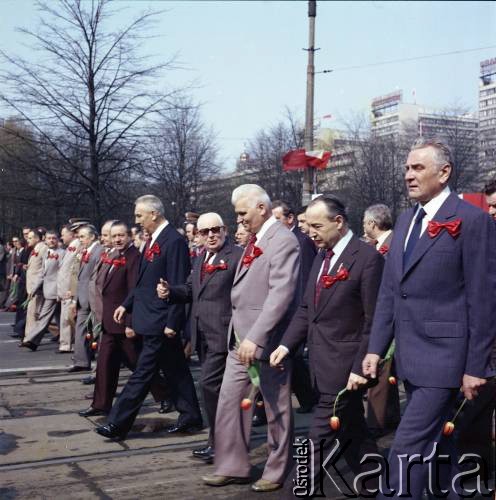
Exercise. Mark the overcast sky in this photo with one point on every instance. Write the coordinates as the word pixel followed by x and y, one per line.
pixel 248 60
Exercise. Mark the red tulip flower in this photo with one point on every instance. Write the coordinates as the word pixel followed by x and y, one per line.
pixel 246 404
pixel 448 428
pixel 94 345
pixel 89 336
pixel 335 423
pixel 260 404
pixel 392 380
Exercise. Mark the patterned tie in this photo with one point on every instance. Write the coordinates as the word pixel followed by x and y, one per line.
pixel 414 237
pixel 325 269
pixel 202 271
pixel 251 244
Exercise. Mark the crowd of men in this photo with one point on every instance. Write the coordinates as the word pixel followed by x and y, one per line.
pixel 417 303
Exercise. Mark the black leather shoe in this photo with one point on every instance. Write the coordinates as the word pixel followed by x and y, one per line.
pixel 111 431
pixel 29 345
pixel 183 428
pixel 92 412
pixel 166 406
pixel 258 421
pixel 54 339
pixel 206 454
pixel 63 352
pixel 74 369
pixel 15 335
pixel 88 380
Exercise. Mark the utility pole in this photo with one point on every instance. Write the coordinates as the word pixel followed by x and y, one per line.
pixel 309 184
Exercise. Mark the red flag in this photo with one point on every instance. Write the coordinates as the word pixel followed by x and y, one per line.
pixel 294 160
pixel 301 159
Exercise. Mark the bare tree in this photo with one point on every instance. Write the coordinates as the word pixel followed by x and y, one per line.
pixel 86 96
pixel 182 156
pixel 265 152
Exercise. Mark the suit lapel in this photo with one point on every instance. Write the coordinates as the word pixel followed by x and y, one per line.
pixel 347 259
pixel 223 252
pixel 161 239
pixel 262 244
pixel 109 275
pixel 445 212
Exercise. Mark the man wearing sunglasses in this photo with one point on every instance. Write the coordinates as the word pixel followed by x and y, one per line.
pixel 208 288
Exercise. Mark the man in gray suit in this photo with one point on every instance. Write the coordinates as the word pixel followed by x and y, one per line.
pixel 262 298
pixel 71 242
pixel 90 256
pixel 47 283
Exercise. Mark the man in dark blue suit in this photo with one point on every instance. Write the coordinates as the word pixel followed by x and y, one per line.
pixel 165 257
pixel 437 300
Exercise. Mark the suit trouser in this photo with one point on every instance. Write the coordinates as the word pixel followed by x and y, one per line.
pixel 213 365
pixel 300 382
pixel 159 352
pixel 233 425
pixel 82 352
pixel 353 438
pixel 474 426
pixel 66 328
pixel 32 312
pixel 20 317
pixel 47 311
pixel 420 433
pixel 115 348
pixel 383 401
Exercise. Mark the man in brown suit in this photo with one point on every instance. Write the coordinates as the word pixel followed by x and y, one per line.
pixel 262 295
pixel 383 400
pixel 33 273
pixel 118 342
pixel 334 318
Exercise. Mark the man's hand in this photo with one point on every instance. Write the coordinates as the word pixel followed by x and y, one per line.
pixel 129 332
pixel 246 352
pixel 15 278
pixel 188 350
pixel 169 332
pixel 355 381
pixel 119 314
pixel 163 289
pixel 471 385
pixel 277 356
pixel 369 365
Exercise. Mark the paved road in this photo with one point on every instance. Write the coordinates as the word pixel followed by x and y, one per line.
pixel 48 452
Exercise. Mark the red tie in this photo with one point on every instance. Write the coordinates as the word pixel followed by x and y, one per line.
pixel 205 262
pixel 251 244
pixel 319 285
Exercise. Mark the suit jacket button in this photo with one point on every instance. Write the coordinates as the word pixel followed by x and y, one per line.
pixel 234 307
pixel 404 295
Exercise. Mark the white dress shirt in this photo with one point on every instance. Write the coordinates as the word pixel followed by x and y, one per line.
pixel 382 238
pixel 430 208
pixel 338 250
pixel 265 226
pixel 157 232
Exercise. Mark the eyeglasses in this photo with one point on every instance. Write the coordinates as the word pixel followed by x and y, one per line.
pixel 215 230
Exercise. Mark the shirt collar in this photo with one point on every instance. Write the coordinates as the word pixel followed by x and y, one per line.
pixel 265 226
pixel 341 244
pixel 382 238
pixel 158 231
pixel 432 206
pixel 90 248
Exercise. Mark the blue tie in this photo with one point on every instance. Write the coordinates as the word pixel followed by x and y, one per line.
pixel 414 237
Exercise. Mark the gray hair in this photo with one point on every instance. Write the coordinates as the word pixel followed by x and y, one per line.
pixel 443 155
pixel 91 230
pixel 153 203
pixel 253 192
pixel 209 214
pixel 381 215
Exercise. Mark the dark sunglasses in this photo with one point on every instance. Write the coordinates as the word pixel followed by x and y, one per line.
pixel 215 230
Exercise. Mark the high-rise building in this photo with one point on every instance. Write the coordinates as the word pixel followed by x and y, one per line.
pixel 487 116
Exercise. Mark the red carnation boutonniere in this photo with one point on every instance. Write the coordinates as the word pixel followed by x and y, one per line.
pixel 151 252
pixel 104 259
pixel 453 228
pixel 248 259
pixel 211 268
pixel 71 249
pixel 53 256
pixel 85 257
pixel 341 275
pixel 35 254
pixel 384 249
pixel 120 262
